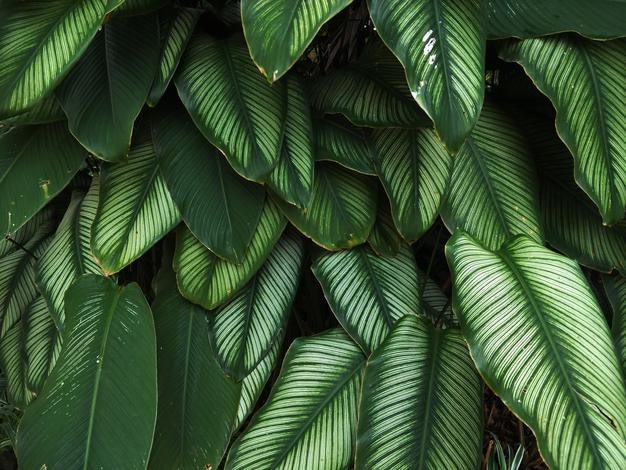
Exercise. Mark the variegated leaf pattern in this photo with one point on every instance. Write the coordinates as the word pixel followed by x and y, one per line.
pixel 615 288
pixel 41 220
pixel 554 364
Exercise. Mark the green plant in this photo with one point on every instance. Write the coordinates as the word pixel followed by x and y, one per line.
pixel 225 225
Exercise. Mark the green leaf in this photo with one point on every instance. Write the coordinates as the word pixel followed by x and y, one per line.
pixel 45 111
pixel 243 331
pixel 441 44
pixel 28 352
pixel 36 163
pixel 176 27
pixel 601 19
pixel 278 32
pixel 368 293
pixel 12 243
pixel 138 7
pixel 540 341
pixel 220 208
pixel 39 43
pixel 104 93
pixel 584 80
pixel 104 381
pixel 318 388
pixel 69 254
pixel 342 209
pixel 135 208
pixel 197 402
pixel 421 405
pixel 207 280
pixel 493 189
pixel 292 178
pixel 384 238
pixel 232 105
pixel 414 169
pixel 615 289
pixel 434 303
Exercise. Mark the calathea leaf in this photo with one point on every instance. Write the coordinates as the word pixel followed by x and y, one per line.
pixel 319 384
pixel 540 341
pixel 45 111
pixel 14 241
pixel 421 405
pixel 384 237
pixel 584 80
pixel 105 91
pixel 441 44
pixel 615 288
pixel 232 105
pixel 138 7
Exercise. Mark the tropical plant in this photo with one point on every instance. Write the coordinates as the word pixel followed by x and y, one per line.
pixel 224 228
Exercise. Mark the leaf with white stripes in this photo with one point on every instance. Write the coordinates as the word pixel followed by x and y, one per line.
pixel 421 405
pixel 310 417
pixel 232 104
pixel 493 190
pixel 243 331
pixel 368 293
pixel 292 177
pixel 207 280
pixel 342 209
pixel 384 237
pixel 39 43
pixel 615 288
pixel 278 31
pixel 69 254
pixel 41 219
pixel 585 82
pixel 135 208
pixel 540 341
pixel 414 169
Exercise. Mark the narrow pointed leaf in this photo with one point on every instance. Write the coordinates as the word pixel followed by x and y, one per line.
pixel 101 395
pixel 422 401
pixel 232 104
pixel 105 91
pixel 441 44
pixel 540 341
pixel 615 288
pixel 319 388
pixel 584 80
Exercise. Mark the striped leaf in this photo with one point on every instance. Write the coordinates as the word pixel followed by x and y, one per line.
pixel 317 391
pixel 36 163
pixel 243 331
pixel 278 31
pixel 421 405
pixel 220 208
pixel 342 209
pixel 492 193
pixel 39 42
pixel 292 178
pixel 69 254
pixel 540 341
pixel 197 402
pixel 602 19
pixel 135 208
pixel 372 92
pixel 45 111
pixel 232 105
pixel 441 44
pixel 40 223
pixel 28 352
pixel 414 169
pixel 368 293
pixel 104 93
pixel 207 280
pixel 176 26
pixel 615 289
pixel 585 82
pixel 100 399
pixel 384 238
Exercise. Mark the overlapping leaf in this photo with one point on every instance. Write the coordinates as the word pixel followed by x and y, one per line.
pixel 384 237
pixel 45 111
pixel 615 288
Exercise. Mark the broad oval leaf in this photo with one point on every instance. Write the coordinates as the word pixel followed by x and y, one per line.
pixel 367 292
pixel 317 391
pixel 206 279
pixel 101 395
pixel 220 208
pixel 540 341
pixel 104 93
pixel 36 163
pixel 441 44
pixel 421 405
pixel 232 105
pixel 585 82
pixel 39 42
pixel 278 31
pixel 342 209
